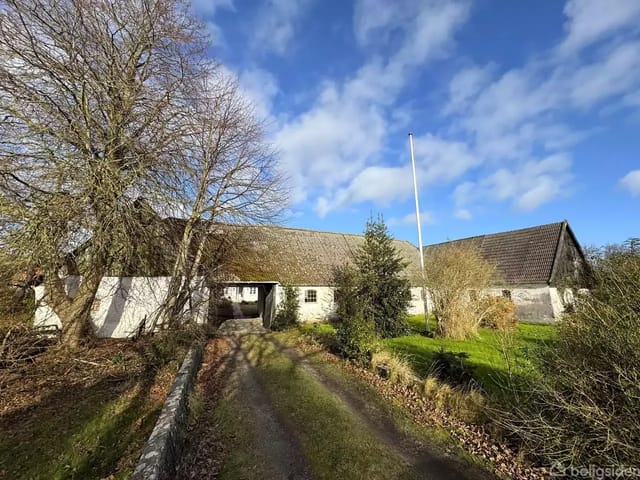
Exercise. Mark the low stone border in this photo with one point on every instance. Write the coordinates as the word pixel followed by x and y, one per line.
pixel 162 451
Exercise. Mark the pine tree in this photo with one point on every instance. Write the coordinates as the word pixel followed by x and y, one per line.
pixel 384 291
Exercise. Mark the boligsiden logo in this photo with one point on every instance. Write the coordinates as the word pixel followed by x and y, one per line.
pixel 559 470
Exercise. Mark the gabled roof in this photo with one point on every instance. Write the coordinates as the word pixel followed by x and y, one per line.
pixel 301 257
pixel 522 257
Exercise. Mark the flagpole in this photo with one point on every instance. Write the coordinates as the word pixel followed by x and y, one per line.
pixel 415 192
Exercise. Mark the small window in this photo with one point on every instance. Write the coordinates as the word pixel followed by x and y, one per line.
pixel 252 290
pixel 310 296
pixel 506 294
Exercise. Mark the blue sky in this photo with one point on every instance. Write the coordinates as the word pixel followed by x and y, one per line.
pixel 523 112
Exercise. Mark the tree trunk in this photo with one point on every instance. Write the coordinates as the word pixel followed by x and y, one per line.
pixel 171 304
pixel 75 314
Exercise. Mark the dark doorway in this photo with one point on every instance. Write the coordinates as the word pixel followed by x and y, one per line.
pixel 240 300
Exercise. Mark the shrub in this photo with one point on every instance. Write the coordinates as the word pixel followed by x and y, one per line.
pixel 356 339
pixel 287 315
pixel 382 290
pixel 498 313
pixel 585 407
pixel 400 370
pixel 468 406
pixel 346 284
pixel 454 273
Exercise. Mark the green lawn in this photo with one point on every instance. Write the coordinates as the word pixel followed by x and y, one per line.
pixel 486 354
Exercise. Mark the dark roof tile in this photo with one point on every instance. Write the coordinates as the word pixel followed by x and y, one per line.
pixel 522 257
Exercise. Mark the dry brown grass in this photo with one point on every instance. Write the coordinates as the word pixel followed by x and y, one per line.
pixel 400 369
pixel 468 406
pixel 498 313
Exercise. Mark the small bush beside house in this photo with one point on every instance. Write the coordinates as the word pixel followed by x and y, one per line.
pixel 287 314
pixel 498 313
pixel 456 275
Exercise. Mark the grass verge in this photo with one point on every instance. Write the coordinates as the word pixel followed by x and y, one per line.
pixel 84 415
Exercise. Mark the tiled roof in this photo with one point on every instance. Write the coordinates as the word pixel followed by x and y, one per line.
pixel 522 257
pixel 302 257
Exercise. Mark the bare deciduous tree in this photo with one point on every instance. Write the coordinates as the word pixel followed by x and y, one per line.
pixel 229 177
pixel 93 99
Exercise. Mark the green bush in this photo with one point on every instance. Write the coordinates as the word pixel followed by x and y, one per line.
pixel 586 406
pixel 356 339
pixel 287 315
pixel 383 290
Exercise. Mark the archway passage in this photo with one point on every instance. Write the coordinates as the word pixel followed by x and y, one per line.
pixel 246 300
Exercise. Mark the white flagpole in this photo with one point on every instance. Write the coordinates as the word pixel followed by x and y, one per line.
pixel 415 192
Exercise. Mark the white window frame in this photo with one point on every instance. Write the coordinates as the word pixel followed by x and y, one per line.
pixel 311 293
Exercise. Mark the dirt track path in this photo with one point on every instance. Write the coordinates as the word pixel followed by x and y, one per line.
pixel 426 460
pixel 227 376
pixel 241 434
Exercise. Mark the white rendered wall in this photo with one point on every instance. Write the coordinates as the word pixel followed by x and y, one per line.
pixel 324 307
pixel 320 310
pixel 242 293
pixel 417 305
pixel 535 304
pixel 123 303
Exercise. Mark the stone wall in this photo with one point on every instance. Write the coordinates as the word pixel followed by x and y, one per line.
pixel 162 451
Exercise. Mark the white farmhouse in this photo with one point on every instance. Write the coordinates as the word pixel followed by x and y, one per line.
pixel 538 268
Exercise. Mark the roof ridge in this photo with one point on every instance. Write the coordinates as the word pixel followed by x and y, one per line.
pixel 359 235
pixel 484 235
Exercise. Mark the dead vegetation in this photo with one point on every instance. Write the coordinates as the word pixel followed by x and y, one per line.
pixel 458 279
pixel 82 413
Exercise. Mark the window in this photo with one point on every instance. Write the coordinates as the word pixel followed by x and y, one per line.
pixel 506 294
pixel 310 296
pixel 253 290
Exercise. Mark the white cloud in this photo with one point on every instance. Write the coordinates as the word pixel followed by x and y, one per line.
pixel 275 25
pixel 465 85
pixel 260 87
pixel 437 160
pixel 426 218
pixel 533 184
pixel 591 20
pixel 631 182
pixel 331 143
pixel 206 10
pixel 333 146
pixel 526 187
pixel 462 214
pixel 516 122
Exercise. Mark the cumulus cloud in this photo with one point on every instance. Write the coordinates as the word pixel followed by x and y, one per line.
pixel 207 10
pixel 275 25
pixel 437 160
pixel 333 147
pixel 515 121
pixel 591 20
pixel 426 218
pixel 260 87
pixel 631 182
pixel 526 186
